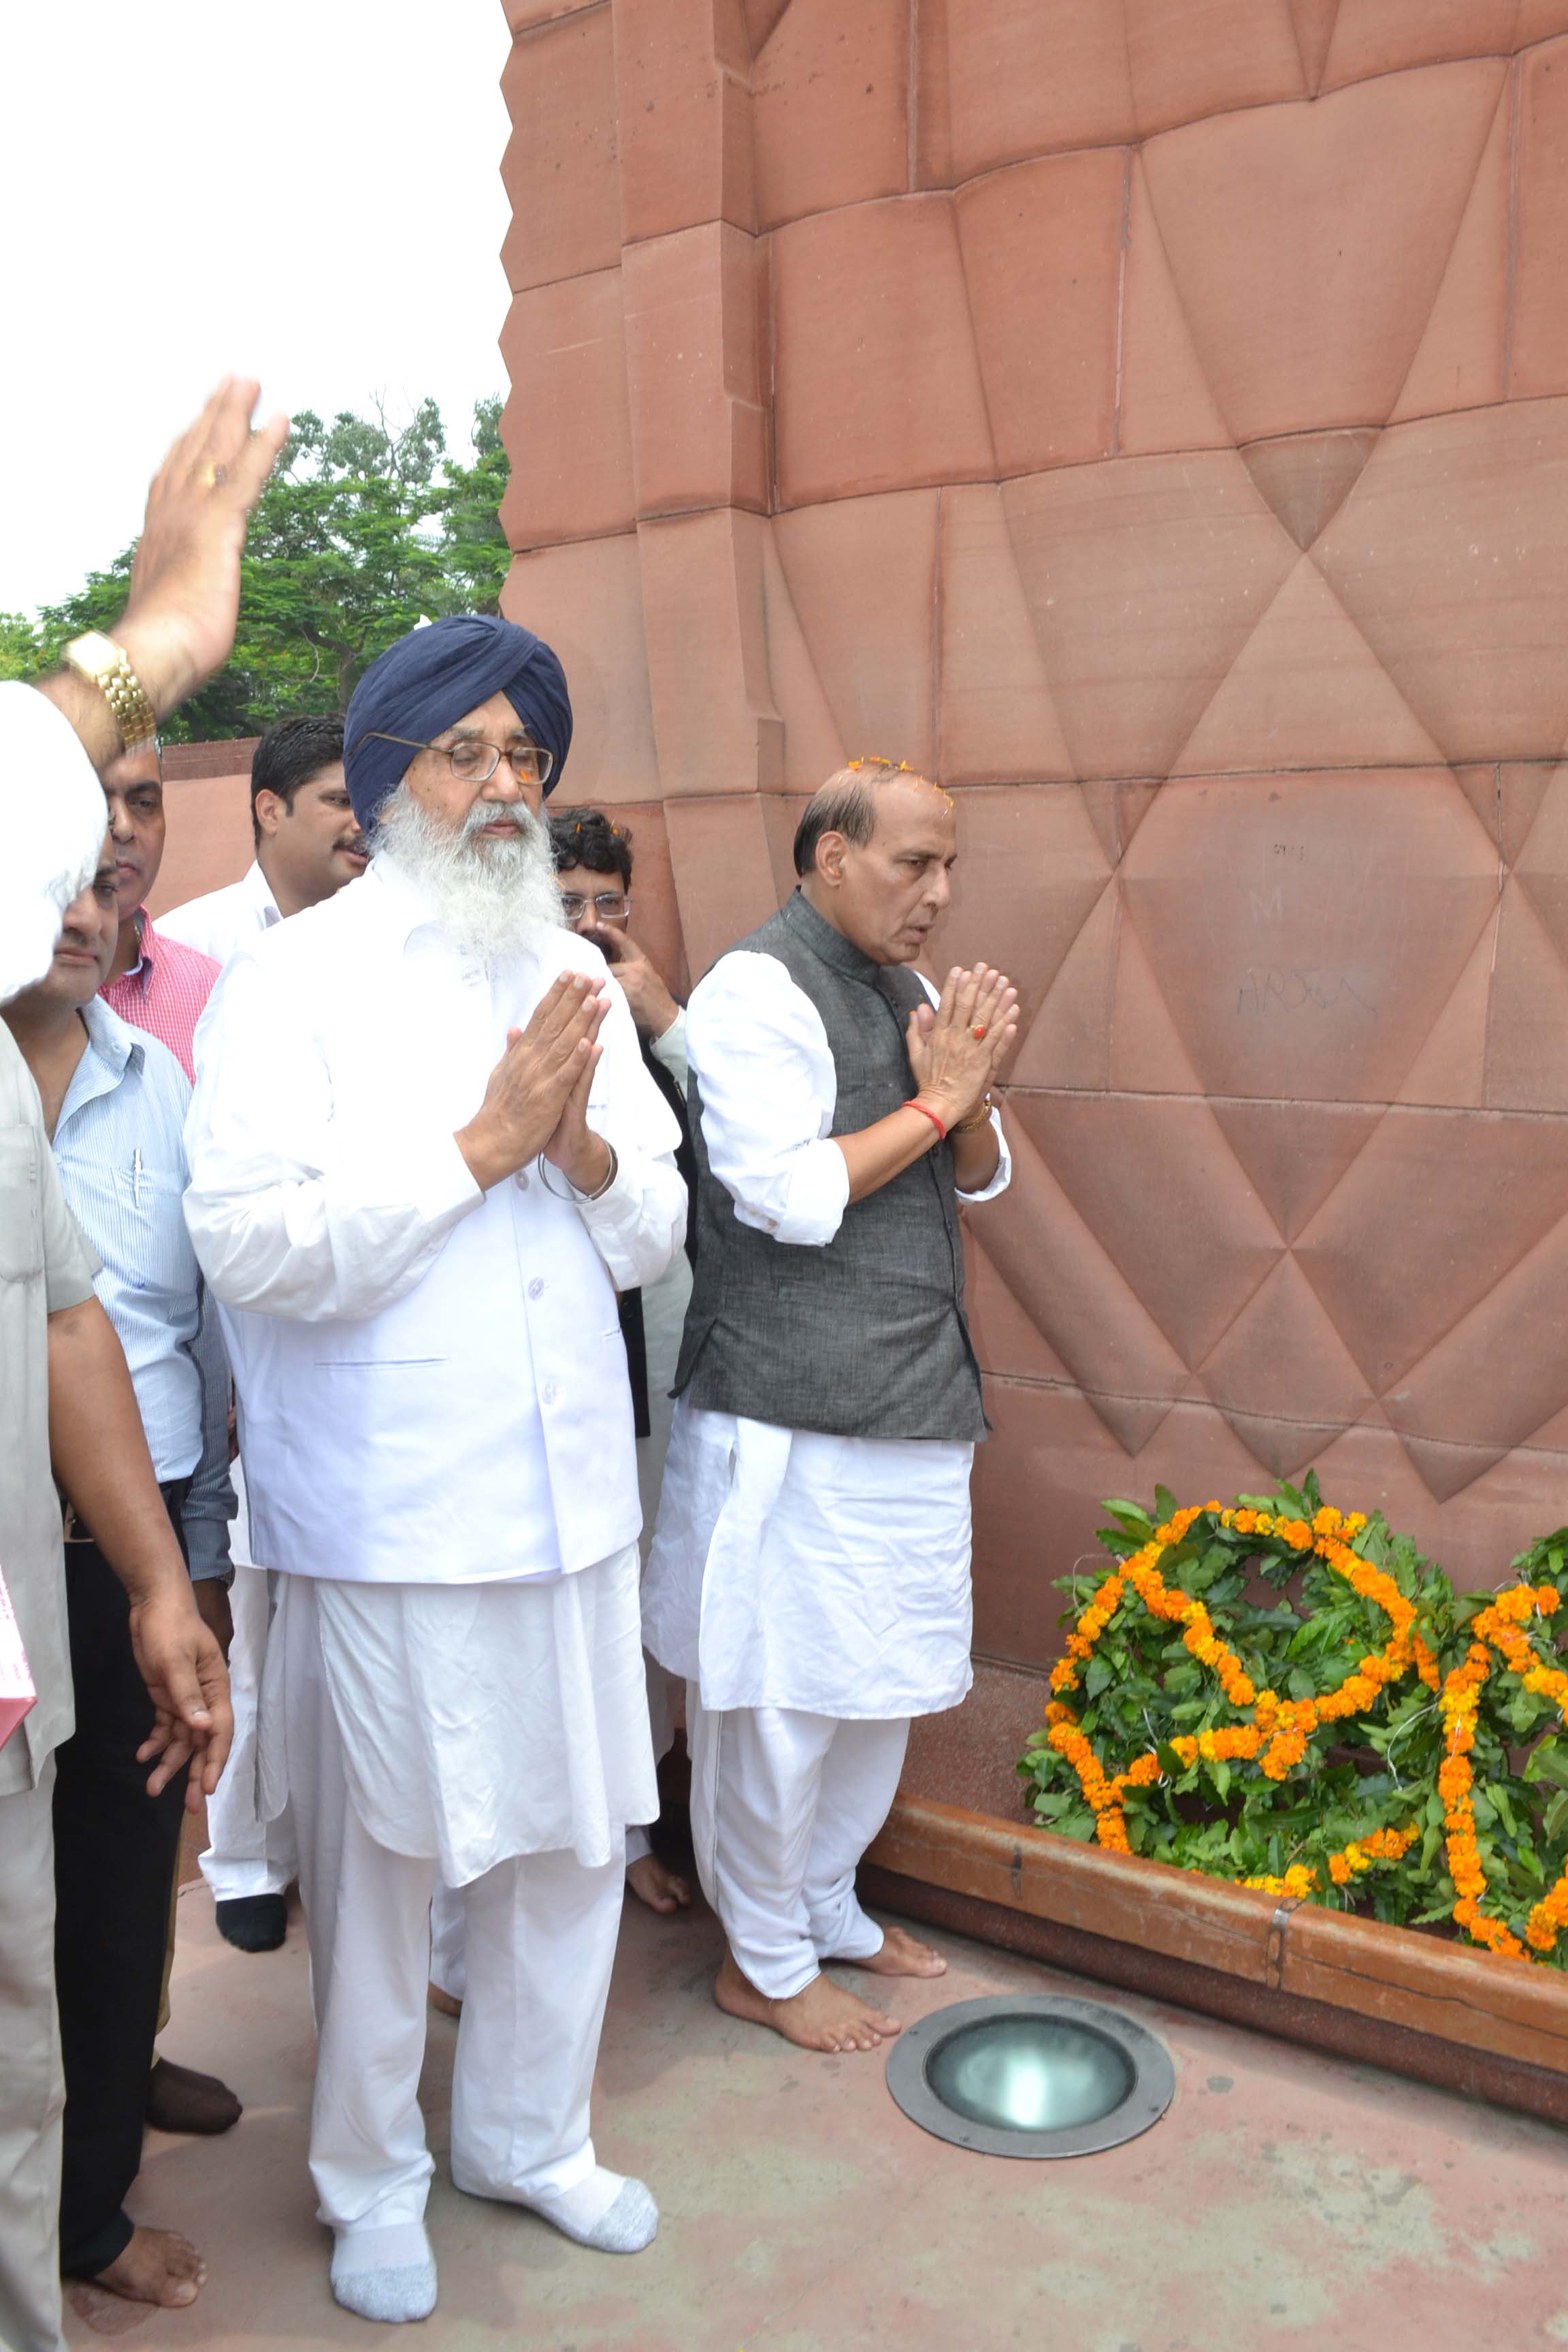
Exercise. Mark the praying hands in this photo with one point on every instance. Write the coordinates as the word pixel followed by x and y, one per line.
pixel 957 1046
pixel 537 1097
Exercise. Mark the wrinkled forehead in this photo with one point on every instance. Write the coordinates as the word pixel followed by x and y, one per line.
pixel 913 814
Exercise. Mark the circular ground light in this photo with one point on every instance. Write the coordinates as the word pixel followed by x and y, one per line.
pixel 1030 2076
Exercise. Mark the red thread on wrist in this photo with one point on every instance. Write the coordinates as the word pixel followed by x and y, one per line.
pixel 914 1103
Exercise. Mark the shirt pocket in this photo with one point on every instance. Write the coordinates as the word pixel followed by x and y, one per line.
pixel 150 1249
pixel 392 1341
pixel 21 1216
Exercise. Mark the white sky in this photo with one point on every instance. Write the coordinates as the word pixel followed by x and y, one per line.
pixel 306 191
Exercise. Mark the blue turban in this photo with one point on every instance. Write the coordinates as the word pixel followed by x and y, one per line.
pixel 436 676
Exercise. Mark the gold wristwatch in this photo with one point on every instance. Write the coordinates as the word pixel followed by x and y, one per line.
pixel 98 660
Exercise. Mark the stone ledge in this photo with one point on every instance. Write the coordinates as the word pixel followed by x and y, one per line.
pixel 1417 2005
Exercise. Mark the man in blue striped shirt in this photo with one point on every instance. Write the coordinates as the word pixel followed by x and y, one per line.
pixel 114 1102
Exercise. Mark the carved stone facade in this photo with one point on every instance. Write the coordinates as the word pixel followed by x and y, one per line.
pixel 1150 416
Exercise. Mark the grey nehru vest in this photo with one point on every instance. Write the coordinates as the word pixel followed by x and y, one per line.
pixel 865 1337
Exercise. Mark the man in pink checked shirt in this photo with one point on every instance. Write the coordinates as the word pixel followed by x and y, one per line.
pixel 153 983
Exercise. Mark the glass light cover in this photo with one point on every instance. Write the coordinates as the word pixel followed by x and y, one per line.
pixel 1029 2074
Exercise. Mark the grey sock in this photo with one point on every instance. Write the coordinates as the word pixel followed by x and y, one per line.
pixel 621 2223
pixel 385 2275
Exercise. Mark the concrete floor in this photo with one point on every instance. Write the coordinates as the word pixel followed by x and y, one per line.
pixel 1285 2200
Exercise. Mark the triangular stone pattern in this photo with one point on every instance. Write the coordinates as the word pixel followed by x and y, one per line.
pixel 1167 448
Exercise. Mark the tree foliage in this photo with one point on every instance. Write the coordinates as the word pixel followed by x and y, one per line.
pixel 365 529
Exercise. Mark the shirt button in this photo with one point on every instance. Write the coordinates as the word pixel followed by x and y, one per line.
pixel 521 1180
pixel 536 1288
pixel 548 1393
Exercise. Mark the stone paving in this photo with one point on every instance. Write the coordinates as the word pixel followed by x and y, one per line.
pixel 1285 2200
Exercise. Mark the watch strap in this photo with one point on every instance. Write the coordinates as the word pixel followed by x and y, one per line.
pixel 100 662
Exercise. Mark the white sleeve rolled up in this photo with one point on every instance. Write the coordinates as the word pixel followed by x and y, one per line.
pixel 769 1089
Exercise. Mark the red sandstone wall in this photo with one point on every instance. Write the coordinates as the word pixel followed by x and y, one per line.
pixel 1151 417
pixel 207 807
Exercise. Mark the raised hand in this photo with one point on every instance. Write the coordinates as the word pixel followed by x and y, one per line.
pixel 956 1048
pixel 178 623
pixel 651 1005
pixel 528 1090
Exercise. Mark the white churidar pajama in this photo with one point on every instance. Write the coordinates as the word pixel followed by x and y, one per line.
pixel 437 1430
pixel 353 1673
pixel 247 1856
pixel 813 1589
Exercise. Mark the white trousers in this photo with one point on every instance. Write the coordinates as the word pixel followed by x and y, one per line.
pixel 247 1856
pixel 784 1805
pixel 32 2083
pixel 539 1931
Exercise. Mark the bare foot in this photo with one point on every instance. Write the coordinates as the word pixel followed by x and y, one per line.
pixel 901 1956
pixel 446 2003
pixel 659 1888
pixel 823 2017
pixel 157 2267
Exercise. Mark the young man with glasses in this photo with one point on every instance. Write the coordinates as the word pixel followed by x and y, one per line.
pixel 425 1157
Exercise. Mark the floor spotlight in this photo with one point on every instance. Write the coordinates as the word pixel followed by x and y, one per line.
pixel 1033 2075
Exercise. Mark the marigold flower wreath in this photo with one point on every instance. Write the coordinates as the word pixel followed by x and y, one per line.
pixel 1277 1536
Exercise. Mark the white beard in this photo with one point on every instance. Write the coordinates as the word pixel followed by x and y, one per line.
pixel 494 898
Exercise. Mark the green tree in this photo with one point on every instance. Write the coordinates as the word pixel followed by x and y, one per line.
pixel 474 548
pixel 365 529
pixel 19 647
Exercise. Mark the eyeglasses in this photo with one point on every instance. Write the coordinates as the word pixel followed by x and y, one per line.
pixel 609 906
pixel 473 762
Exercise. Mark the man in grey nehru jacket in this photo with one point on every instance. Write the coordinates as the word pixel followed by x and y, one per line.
pixel 809 1575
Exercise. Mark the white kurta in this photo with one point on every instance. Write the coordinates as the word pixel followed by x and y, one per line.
pixel 790 1569
pixel 478 1721
pixel 424 1371
pixel 223 920
pixel 432 1380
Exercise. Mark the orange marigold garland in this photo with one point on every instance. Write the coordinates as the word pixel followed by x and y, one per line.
pixel 1496 1628
pixel 1277 1737
pixel 1276 1734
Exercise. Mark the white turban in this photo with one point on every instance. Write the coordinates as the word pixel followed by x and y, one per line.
pixel 53 818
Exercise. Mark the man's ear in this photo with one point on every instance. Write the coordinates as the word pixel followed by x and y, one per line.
pixel 269 808
pixel 830 856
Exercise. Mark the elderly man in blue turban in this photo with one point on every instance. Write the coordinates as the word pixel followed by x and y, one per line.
pixel 425 1157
